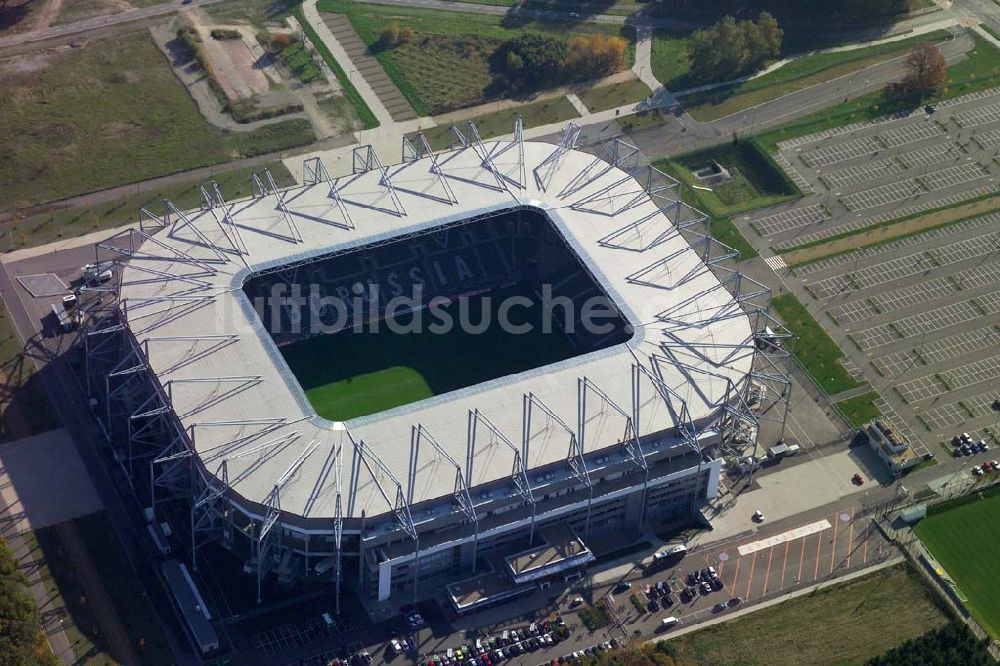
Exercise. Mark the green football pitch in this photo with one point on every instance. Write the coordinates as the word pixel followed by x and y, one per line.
pixel 348 374
pixel 965 539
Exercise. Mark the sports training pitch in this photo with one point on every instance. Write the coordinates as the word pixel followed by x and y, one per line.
pixel 350 374
pixel 965 539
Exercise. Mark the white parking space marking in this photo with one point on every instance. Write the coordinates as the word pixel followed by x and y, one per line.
pixel 790 535
pixel 956 175
pixel 986 140
pixel 863 173
pixel 902 189
pixel 906 266
pixel 883 195
pixel 902 211
pixel 981 116
pixel 936 154
pixel 956 413
pixel 841 152
pixel 789 220
pixel 931 386
pixel 908 327
pixel 901 136
pixel 966 342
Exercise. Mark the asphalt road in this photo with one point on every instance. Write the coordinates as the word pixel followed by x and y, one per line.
pixel 100 22
pixel 684 134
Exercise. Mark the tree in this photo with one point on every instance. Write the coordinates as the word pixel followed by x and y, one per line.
pixel 534 61
pixel 926 70
pixel 730 48
pixel 773 34
pixel 21 639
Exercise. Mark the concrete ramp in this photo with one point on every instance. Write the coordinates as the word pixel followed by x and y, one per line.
pixel 370 68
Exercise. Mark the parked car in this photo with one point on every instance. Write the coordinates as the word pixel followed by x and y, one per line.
pixel 719 607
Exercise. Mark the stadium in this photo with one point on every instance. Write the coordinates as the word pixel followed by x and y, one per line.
pixel 247 365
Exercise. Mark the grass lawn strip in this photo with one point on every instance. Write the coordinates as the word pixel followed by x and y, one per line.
pixel 979 71
pixel 839 625
pixel 48 227
pixel 447 64
pixel 725 231
pixel 756 181
pixel 57 145
pixel 860 409
pixel 797 74
pixel 814 349
pixel 893 230
pixel 365 114
pixel 498 123
pixel 602 98
pixel 964 539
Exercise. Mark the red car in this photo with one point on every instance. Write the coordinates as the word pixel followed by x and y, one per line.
pixel 858 480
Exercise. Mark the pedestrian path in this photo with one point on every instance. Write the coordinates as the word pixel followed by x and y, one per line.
pixel 776 263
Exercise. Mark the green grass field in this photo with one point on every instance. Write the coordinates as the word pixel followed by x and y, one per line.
pixel 817 352
pixel 108 113
pixel 842 625
pixel 50 226
pixel 965 539
pixel 860 409
pixel 347 374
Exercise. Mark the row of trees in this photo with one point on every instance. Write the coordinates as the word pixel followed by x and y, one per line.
pixel 532 61
pixel 950 645
pixel 21 640
pixel 731 48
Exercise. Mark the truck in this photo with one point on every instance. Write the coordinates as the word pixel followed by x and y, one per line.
pixel 780 450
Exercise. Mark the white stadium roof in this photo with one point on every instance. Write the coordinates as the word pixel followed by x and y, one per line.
pixel 182 296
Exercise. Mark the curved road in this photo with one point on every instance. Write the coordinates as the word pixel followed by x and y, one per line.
pixel 684 134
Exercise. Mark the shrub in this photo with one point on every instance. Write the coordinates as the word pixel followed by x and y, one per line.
pixel 389 36
pixel 225 33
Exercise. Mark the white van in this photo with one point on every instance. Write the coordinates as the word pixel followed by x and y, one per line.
pixel 668 622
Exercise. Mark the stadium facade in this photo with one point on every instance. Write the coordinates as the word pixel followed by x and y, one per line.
pixel 489 489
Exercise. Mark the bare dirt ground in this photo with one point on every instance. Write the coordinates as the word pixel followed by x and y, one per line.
pixel 79 10
pixel 49 13
pixel 245 65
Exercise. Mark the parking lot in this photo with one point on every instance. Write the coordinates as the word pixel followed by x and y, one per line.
pixel 858 176
pixel 921 316
pixel 917 316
